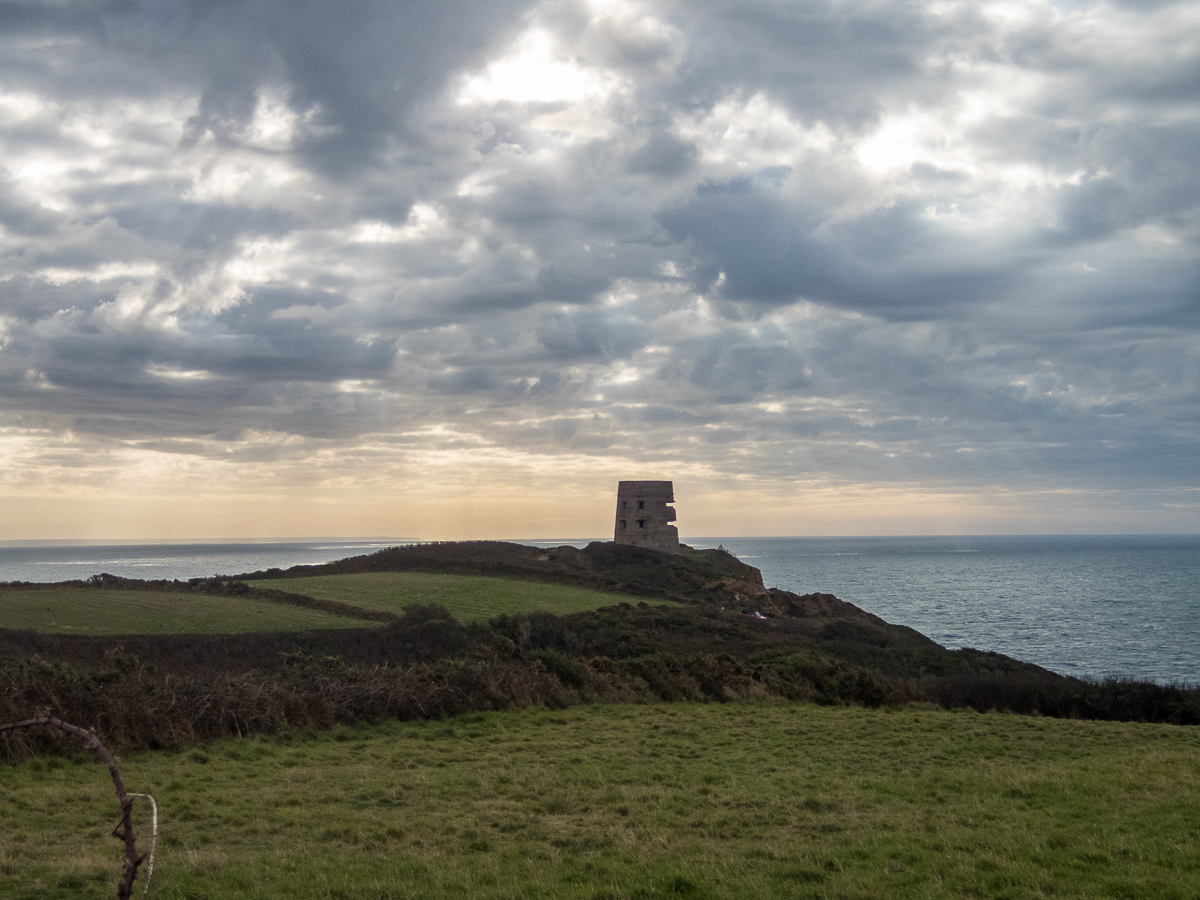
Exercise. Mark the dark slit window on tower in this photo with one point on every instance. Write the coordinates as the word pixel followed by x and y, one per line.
pixel 641 523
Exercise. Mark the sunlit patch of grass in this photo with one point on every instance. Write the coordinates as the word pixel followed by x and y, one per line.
pixel 469 598
pixel 680 800
pixel 69 610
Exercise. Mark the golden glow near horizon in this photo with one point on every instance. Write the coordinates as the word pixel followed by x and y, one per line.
pixel 524 505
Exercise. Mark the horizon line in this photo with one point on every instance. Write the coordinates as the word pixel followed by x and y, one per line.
pixel 308 539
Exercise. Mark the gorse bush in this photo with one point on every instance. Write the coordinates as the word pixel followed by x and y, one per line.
pixel 831 681
pixel 141 709
pixel 135 706
pixel 1112 699
pixel 570 671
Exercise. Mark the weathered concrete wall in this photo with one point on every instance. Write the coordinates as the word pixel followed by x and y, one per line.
pixel 643 516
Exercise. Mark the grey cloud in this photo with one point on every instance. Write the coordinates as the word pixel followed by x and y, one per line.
pixel 22 217
pixel 827 60
pixel 1096 210
pixel 366 65
pixel 545 385
pixel 569 287
pixel 462 382
pixel 737 373
pixel 590 334
pixel 226 108
pixel 662 155
pixel 300 354
pixel 888 262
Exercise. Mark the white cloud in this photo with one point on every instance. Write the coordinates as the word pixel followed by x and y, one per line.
pixel 537 70
pixel 104 272
pixel 424 222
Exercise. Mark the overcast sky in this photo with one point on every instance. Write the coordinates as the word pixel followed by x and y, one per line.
pixel 452 269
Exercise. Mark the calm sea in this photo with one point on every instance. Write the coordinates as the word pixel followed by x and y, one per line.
pixel 1079 605
pixel 68 560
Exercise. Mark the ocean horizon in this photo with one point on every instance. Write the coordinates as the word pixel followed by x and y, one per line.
pixel 1086 605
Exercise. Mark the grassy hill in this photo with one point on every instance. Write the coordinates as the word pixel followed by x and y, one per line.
pixel 119 606
pixel 633 802
pixel 60 609
pixel 468 598
pixel 704 576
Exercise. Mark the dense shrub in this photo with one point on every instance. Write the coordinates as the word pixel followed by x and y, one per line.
pixel 140 709
pixel 567 669
pixel 831 681
pixel 1047 694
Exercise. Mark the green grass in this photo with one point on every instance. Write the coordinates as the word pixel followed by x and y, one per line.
pixel 469 598
pixel 87 611
pixel 768 800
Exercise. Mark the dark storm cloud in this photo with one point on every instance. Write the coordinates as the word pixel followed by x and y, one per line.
pixel 590 334
pixel 22 216
pixel 861 242
pixel 888 262
pixel 833 61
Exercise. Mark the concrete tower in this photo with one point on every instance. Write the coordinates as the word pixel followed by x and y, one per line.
pixel 643 517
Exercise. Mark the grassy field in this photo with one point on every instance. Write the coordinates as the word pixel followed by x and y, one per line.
pixel 468 598
pixel 768 800
pixel 86 611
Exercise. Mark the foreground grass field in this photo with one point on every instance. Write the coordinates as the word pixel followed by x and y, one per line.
pixel 631 803
pixel 85 611
pixel 468 598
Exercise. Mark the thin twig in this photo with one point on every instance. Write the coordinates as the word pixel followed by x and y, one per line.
pixel 153 841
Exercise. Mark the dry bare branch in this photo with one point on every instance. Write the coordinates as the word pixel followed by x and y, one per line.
pixel 124 828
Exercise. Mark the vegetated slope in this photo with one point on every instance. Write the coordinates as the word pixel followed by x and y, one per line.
pixel 154 690
pixel 469 598
pixel 721 801
pixel 713 585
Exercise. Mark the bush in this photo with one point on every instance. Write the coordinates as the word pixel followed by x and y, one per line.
pixel 566 669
